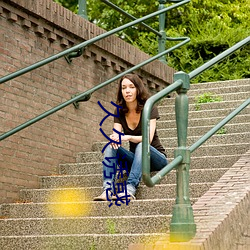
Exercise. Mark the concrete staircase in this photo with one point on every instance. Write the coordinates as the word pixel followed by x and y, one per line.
pixel 62 215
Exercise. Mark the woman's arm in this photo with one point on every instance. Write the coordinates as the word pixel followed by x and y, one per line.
pixel 115 136
pixel 137 139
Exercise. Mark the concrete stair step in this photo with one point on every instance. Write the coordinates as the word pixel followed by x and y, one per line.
pixel 204 121
pixel 204 106
pixel 87 194
pixel 224 96
pixel 76 242
pixel 219 84
pixel 215 139
pixel 223 161
pixel 167 116
pixel 171 142
pixel 216 150
pixel 202 130
pixel 94 180
pixel 85 225
pixel 87 209
pixel 230 90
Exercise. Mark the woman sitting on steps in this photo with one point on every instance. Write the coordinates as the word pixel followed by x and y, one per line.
pixel 131 96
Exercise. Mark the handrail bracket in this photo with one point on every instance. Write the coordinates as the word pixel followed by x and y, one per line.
pixel 83 99
pixel 73 54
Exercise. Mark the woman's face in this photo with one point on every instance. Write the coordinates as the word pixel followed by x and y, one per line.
pixel 129 91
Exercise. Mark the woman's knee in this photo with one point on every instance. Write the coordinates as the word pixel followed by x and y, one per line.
pixel 110 152
pixel 139 147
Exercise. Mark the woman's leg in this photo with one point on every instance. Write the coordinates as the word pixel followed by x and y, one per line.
pixel 157 162
pixel 109 165
pixel 112 158
pixel 136 171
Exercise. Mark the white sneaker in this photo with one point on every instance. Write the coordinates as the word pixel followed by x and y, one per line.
pixel 122 196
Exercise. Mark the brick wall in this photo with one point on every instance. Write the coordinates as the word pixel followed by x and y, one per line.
pixel 29 32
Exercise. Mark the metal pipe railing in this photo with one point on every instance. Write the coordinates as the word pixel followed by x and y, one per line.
pixel 145 137
pixel 211 132
pixel 86 43
pixel 153 99
pixel 130 16
pixel 86 94
pixel 182 226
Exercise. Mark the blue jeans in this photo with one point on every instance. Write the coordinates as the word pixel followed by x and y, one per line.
pixel 134 163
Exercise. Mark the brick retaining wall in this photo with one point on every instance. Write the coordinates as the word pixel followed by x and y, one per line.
pixel 29 32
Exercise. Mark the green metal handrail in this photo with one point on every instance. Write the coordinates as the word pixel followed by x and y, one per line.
pixel 82 45
pixel 162 37
pixel 115 7
pixel 211 132
pixel 182 227
pixel 86 95
pixel 157 97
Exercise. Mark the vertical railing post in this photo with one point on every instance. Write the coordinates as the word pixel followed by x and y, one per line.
pixel 162 38
pixel 182 227
pixel 82 9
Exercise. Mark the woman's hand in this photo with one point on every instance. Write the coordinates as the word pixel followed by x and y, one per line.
pixel 115 137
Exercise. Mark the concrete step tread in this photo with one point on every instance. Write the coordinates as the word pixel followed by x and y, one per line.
pixel 222 145
pixel 98 162
pixel 99 225
pixel 208 105
pixel 90 180
pixel 210 87
pixel 80 193
pixel 211 126
pixel 209 118
pixel 85 217
pixel 77 241
pixel 219 145
pixel 98 175
pixel 227 136
pixel 205 103
pixel 224 96
pixel 88 208
pixel 98 187
pixel 215 135
pixel 230 90
pixel 213 111
pixel 56 235
pixel 220 84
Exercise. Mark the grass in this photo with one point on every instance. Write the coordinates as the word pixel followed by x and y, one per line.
pixel 206 98
pixel 111 227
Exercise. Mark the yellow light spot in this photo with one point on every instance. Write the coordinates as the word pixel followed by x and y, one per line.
pixel 68 203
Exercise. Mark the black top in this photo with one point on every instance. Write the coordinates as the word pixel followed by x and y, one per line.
pixel 138 130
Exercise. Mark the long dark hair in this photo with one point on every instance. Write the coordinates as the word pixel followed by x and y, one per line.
pixel 142 93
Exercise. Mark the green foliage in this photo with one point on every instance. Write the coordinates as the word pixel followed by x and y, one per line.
pixel 222 131
pixel 69 4
pixel 111 226
pixel 213 27
pixel 206 98
pixel 92 247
